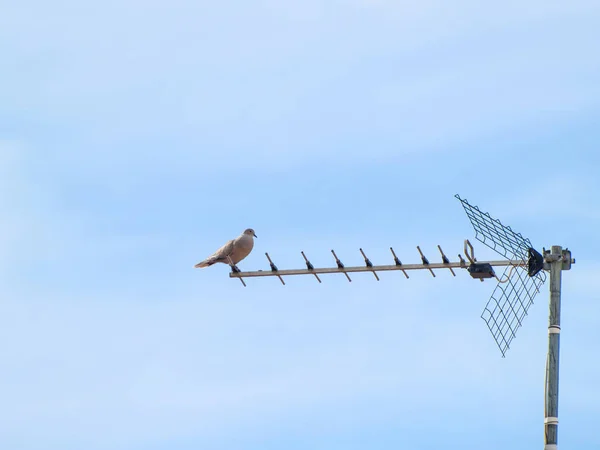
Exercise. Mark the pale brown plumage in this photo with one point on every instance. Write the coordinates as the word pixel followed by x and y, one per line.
pixel 233 251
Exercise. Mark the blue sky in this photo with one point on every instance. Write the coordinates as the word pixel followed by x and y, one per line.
pixel 137 137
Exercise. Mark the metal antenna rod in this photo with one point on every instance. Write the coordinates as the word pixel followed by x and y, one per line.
pixel 309 266
pixel 340 265
pixel 384 268
pixel 368 263
pixel 425 261
pixel 234 268
pixel 398 262
pixel 274 269
pixel 557 260
pixel 445 259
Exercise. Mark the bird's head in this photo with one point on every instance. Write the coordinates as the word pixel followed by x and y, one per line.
pixel 250 231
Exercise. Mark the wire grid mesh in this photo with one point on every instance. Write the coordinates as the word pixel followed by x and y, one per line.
pixel 509 303
pixel 500 238
pixel 511 300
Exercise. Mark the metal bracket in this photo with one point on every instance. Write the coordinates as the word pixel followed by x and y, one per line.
pixel 535 262
pixel 565 256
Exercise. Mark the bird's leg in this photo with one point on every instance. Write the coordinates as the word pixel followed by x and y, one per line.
pixel 234 268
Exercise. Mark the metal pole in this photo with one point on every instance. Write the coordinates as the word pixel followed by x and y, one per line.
pixel 555 259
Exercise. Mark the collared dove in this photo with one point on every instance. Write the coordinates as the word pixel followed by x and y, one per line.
pixel 233 251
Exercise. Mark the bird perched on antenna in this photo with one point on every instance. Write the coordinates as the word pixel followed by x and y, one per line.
pixel 232 252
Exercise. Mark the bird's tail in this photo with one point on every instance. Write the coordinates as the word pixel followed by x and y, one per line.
pixel 204 263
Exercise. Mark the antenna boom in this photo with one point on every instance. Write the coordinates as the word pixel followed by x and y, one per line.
pixel 385 268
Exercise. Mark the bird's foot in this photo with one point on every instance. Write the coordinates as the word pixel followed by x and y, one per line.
pixel 235 269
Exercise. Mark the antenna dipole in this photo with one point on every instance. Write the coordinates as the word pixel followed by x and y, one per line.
pixel 509 303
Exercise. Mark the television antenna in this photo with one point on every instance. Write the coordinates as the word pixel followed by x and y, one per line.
pixel 524 273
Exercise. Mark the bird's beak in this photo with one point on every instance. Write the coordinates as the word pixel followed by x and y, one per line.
pixel 255 235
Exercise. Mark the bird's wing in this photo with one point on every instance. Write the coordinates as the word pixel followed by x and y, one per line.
pixel 224 251
pixel 242 248
pixel 220 255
